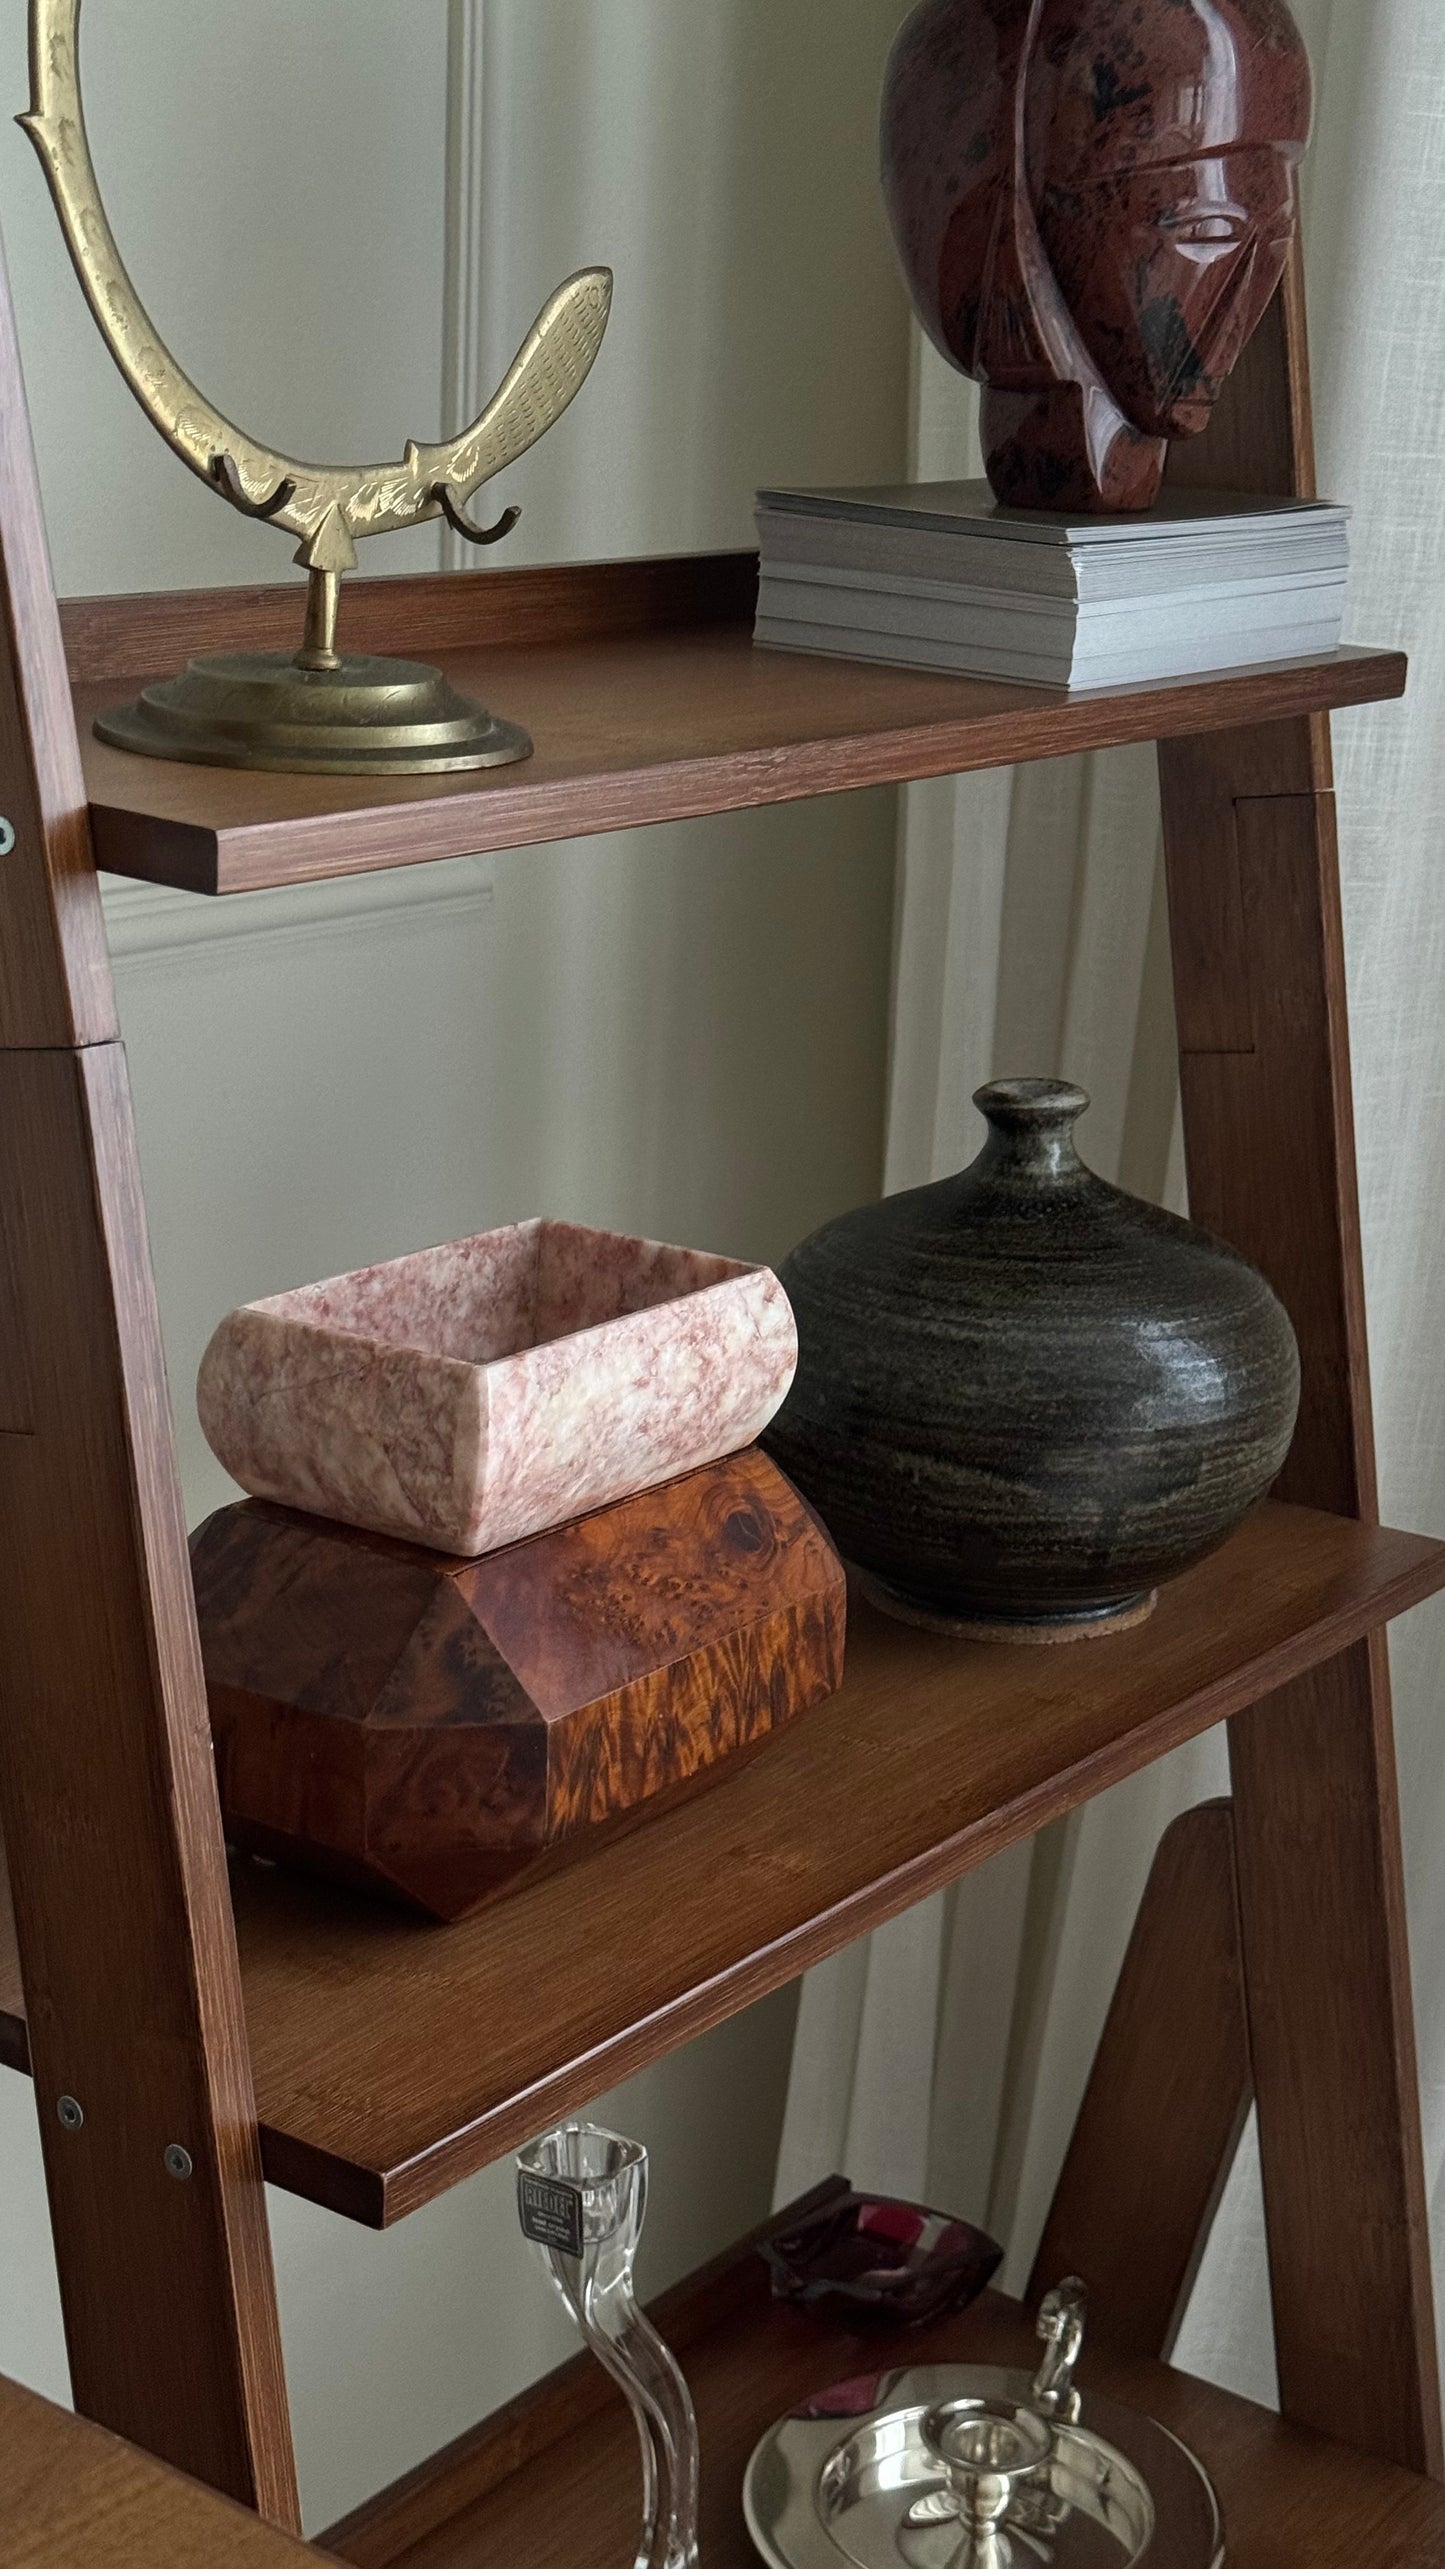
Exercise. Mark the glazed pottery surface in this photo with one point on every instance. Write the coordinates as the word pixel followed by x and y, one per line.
pixel 474 1394
pixel 1093 202
pixel 1024 1397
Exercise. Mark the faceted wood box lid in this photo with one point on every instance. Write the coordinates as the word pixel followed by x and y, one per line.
pixel 434 1728
pixel 474 1394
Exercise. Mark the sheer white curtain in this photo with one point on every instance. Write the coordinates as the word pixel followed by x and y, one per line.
pixel 945 2054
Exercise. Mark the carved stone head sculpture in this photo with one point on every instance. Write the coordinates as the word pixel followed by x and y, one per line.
pixel 1093 202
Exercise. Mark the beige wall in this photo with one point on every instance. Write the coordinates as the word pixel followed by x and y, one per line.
pixel 682 1031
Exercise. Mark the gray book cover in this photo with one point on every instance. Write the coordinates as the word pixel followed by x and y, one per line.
pixel 969 509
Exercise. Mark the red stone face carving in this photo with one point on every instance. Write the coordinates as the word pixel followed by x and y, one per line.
pixel 1093 201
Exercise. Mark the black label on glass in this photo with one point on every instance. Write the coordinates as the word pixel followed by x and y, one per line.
pixel 550 2211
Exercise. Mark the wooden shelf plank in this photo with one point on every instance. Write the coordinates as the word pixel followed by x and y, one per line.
pixel 554 2476
pixel 69 2492
pixel 646 699
pixel 392 2058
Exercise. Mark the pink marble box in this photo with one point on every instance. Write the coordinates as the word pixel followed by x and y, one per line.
pixel 483 1391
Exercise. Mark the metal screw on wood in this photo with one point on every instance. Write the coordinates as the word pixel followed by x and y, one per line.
pixel 178 2162
pixel 7 835
pixel 71 2112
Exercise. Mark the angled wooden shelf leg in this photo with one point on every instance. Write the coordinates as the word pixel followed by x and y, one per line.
pixel 1161 2118
pixel 123 1919
pixel 1264 1051
pixel 1271 1167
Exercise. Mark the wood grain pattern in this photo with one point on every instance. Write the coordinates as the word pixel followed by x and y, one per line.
pixel 392 2058
pixel 554 2477
pixel 1332 2040
pixel 1161 2116
pixel 74 2497
pixel 1269 1128
pixel 633 724
pixel 1270 1145
pixel 111 640
pixel 54 971
pixel 1261 437
pixel 125 1937
pixel 439 1728
pixel 113 1835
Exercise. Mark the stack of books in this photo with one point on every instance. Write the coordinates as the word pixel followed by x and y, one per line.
pixel 938 576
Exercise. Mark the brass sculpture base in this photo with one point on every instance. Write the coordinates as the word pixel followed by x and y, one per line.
pixel 362 717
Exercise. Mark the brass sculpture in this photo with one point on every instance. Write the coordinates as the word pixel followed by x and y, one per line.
pixel 320 711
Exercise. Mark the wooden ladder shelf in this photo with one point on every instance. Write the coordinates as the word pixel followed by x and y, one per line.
pixel 369 2062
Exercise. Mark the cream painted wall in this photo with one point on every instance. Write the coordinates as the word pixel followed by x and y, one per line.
pixel 682 1031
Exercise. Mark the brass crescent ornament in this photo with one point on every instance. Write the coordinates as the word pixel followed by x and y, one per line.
pixel 257 709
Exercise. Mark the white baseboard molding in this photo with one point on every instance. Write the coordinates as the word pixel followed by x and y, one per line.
pixel 146 921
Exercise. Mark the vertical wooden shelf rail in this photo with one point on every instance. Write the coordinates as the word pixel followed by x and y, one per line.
pixel 106 1790
pixel 1254 899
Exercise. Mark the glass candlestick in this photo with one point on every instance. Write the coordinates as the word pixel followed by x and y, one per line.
pixel 581 2197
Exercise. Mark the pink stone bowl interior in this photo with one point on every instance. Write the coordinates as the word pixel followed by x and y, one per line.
pixel 473 1394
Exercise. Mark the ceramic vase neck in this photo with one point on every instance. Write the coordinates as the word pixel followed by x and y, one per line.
pixel 1031 1129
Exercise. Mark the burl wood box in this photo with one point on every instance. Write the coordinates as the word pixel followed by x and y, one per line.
pixel 434 1727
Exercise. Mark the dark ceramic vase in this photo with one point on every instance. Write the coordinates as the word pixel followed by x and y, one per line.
pixel 1024 1398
